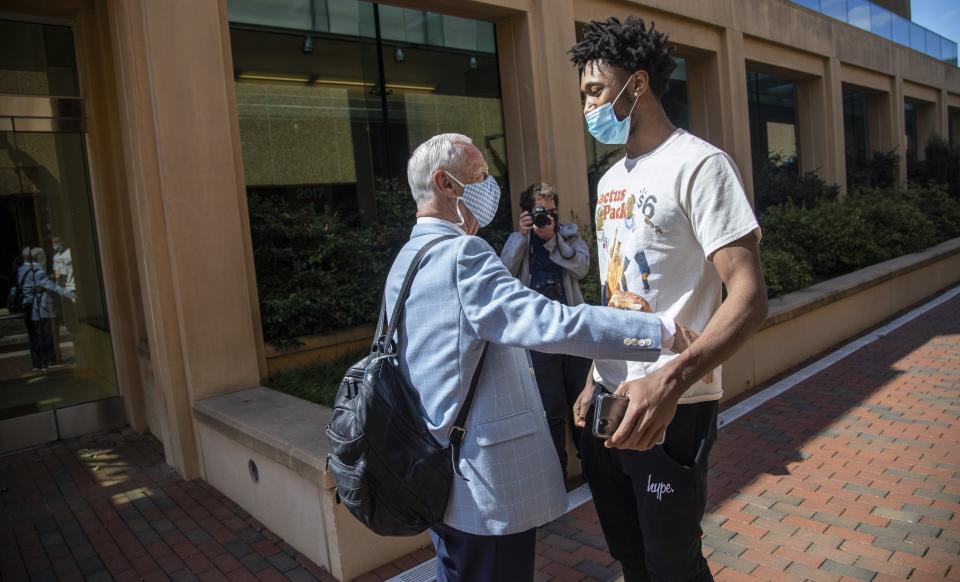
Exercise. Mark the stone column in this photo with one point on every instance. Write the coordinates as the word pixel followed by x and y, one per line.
pixel 541 104
pixel 733 105
pixel 895 117
pixel 703 85
pixel 820 124
pixel 181 153
pixel 881 136
pixel 834 154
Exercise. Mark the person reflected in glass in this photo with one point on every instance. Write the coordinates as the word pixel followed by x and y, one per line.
pixel 38 293
pixel 62 264
pixel 62 276
pixel 17 301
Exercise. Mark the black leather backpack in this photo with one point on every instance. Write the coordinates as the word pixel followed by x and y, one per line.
pixel 390 472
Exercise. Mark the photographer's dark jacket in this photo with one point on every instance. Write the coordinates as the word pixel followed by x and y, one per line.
pixel 566 249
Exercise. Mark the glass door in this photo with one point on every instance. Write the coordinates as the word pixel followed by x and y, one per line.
pixel 56 357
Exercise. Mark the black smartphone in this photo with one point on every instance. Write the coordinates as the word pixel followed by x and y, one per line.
pixel 608 414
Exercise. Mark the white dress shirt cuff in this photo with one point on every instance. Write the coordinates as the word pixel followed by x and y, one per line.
pixel 668 328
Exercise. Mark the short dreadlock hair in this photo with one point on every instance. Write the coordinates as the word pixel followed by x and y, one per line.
pixel 628 45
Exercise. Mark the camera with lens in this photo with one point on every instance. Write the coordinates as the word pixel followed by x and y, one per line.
pixel 542 217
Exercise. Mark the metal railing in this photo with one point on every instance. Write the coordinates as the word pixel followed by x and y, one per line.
pixel 880 21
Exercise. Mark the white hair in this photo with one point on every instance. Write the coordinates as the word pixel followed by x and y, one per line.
pixel 446 151
pixel 38 255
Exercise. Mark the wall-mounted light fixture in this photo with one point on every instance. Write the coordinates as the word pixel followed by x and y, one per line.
pixel 398 55
pixel 314 80
pixel 307 45
pixel 474 63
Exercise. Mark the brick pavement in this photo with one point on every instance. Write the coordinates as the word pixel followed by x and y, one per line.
pixel 852 475
pixel 106 507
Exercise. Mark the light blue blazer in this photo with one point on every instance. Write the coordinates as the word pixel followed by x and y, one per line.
pixel 462 296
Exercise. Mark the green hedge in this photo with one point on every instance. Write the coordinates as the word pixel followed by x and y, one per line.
pixel 321 271
pixel 870 225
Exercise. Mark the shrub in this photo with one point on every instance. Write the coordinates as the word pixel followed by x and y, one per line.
pixel 941 166
pixel 320 271
pixel 315 382
pixel 784 272
pixel 839 236
pixel 778 181
pixel 878 171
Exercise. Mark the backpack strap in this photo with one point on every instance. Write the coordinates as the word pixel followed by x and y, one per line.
pixel 405 289
pixel 381 323
pixel 458 431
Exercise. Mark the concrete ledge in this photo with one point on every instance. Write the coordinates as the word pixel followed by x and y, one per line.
pixel 806 300
pixel 267 451
pixel 803 324
pixel 320 348
pixel 281 427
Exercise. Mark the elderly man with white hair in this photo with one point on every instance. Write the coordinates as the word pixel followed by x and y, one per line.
pixel 463 299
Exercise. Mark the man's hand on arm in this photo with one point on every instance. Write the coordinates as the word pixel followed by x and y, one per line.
pixel 653 400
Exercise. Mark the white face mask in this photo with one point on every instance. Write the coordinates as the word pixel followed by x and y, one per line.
pixel 480 198
pixel 604 126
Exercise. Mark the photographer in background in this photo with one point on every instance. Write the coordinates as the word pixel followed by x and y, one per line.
pixel 550 258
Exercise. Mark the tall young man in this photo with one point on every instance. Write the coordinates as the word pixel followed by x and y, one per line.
pixel 676 227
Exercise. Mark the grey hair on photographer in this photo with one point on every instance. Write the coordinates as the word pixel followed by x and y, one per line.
pixel 440 152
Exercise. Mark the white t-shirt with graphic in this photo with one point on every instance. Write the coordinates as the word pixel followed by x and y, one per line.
pixel 660 217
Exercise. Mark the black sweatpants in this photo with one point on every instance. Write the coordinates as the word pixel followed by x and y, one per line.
pixel 650 503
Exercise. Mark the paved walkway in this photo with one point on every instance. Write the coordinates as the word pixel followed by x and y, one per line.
pixel 852 475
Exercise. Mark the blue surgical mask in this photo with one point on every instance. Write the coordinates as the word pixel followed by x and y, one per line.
pixel 604 125
pixel 480 198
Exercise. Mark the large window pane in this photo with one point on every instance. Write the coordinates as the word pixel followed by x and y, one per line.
pixel 881 21
pixel 858 13
pixel 773 129
pixel 855 139
pixel 948 51
pixel 55 343
pixel 834 8
pixel 933 44
pixel 326 135
pixel 296 14
pixel 773 117
pixel 918 38
pixel 675 100
pixel 901 30
pixel 287 99
pixel 37 59
pixel 910 129
pixel 464 97
pixel 57 351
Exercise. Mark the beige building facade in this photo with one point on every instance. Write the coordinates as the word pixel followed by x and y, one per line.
pixel 168 123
